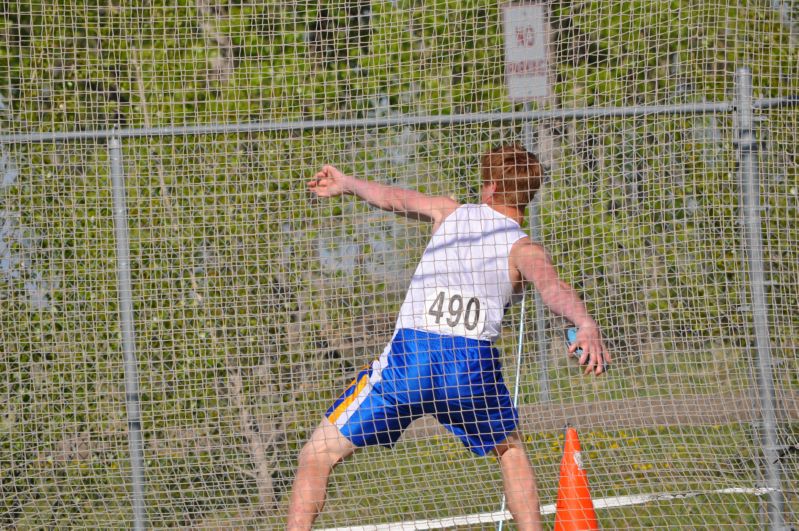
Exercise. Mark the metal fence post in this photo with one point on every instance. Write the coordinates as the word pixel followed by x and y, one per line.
pixel 128 333
pixel 541 341
pixel 540 312
pixel 753 257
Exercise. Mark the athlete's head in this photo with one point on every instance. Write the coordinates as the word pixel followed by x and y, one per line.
pixel 514 173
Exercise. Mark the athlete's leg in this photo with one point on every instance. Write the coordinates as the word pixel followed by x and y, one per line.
pixel 518 480
pixel 326 448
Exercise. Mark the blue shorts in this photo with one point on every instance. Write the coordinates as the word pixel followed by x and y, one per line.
pixel 455 379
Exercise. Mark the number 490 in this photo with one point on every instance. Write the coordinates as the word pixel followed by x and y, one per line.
pixel 454 310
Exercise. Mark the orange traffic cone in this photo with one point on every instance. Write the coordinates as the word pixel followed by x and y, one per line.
pixel 574 510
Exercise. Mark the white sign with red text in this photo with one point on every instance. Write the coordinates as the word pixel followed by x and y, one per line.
pixel 526 51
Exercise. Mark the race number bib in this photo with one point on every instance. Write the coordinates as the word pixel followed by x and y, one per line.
pixel 452 313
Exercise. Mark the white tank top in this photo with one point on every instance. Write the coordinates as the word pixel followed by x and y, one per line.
pixel 462 285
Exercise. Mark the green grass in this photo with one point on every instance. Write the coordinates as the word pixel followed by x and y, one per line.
pixel 437 477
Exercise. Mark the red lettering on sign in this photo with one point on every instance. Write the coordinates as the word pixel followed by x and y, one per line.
pixel 536 67
pixel 525 36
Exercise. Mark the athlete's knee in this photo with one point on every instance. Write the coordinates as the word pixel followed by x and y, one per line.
pixel 511 446
pixel 316 455
pixel 326 448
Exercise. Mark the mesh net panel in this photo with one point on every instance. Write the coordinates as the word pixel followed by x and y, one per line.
pixel 255 304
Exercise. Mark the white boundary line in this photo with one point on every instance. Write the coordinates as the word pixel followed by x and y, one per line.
pixel 501 516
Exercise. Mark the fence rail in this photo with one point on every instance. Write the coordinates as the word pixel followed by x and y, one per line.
pixel 399 121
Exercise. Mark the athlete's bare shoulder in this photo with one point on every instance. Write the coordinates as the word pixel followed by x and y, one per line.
pixel 530 259
pixel 443 208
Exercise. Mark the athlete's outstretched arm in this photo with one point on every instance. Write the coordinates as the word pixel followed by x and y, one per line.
pixel 535 265
pixel 330 182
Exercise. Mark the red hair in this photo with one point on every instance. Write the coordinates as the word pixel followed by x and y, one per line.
pixel 516 172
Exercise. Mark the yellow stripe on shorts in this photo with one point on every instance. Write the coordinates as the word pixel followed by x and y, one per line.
pixel 349 400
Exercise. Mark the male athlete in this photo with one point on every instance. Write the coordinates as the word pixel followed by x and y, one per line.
pixel 441 361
